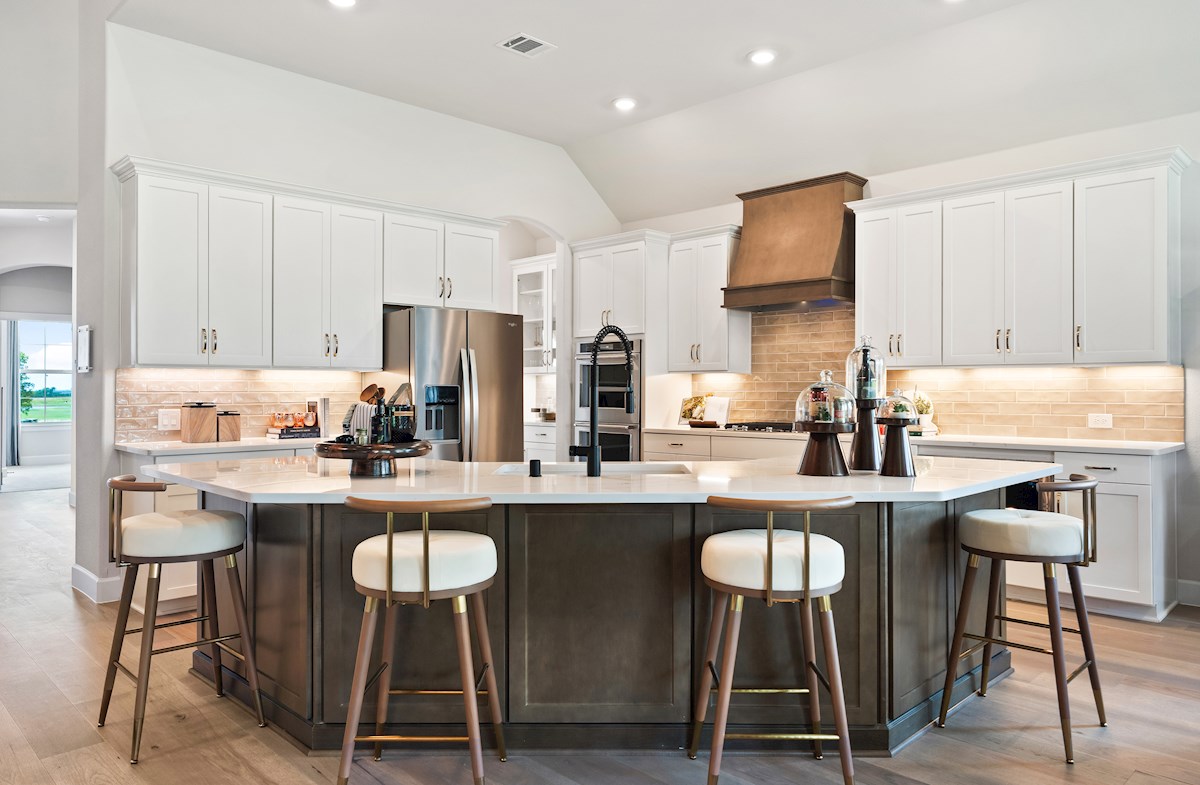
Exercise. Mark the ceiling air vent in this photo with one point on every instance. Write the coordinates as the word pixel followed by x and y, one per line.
pixel 526 45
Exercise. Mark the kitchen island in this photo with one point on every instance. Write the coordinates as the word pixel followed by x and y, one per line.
pixel 598 611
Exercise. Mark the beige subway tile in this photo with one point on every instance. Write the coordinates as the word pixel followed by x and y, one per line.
pixel 1098 396
pixel 1131 422
pixel 976 408
pixel 1072 408
pixel 1159 396
pixel 1137 409
pixel 1008 419
pixel 1123 384
pixel 1060 420
pixel 1154 435
pixel 1164 423
pixel 1165 383
pixel 1041 432
pixel 992 430
pixel 998 396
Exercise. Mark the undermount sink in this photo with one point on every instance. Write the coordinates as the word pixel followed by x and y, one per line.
pixel 609 469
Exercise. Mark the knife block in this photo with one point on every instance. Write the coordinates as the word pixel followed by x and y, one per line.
pixel 198 424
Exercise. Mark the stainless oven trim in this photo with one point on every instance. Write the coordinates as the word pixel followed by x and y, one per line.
pixel 611 415
pixel 634 431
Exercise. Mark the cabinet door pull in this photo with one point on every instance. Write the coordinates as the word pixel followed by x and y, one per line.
pixel 1101 468
pixel 541 434
pixel 1079 337
pixel 441 286
pixel 203 341
pixel 891 338
pixel 214 337
pixel 335 345
pixel 674 444
pixel 997 342
pixel 1008 340
pixel 326 344
pixel 899 344
pixel 449 287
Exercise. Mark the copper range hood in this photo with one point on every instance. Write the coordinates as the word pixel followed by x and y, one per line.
pixel 797 247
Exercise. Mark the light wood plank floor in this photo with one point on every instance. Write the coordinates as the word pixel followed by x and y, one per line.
pixel 53 643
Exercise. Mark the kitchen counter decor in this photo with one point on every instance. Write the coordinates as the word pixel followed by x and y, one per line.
pixel 824 410
pixel 866 375
pixel 372 460
pixel 897 413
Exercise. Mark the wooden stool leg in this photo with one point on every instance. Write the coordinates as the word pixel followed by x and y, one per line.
pixel 489 664
pixel 208 579
pixel 470 700
pixel 114 653
pixel 960 629
pixel 810 668
pixel 383 691
pixel 704 691
pixel 358 684
pixel 1085 632
pixel 834 664
pixel 1060 659
pixel 732 629
pixel 149 619
pixel 989 626
pixel 239 612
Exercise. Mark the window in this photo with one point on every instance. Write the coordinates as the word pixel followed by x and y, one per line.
pixel 45 367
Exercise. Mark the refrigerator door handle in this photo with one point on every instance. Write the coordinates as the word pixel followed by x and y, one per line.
pixel 474 405
pixel 468 405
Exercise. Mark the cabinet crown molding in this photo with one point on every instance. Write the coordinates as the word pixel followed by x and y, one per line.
pixel 650 236
pixel 131 165
pixel 733 230
pixel 1172 157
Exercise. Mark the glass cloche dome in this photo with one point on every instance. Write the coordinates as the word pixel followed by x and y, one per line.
pixel 866 372
pixel 898 407
pixel 825 401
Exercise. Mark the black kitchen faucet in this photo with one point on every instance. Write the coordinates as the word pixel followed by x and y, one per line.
pixel 592 450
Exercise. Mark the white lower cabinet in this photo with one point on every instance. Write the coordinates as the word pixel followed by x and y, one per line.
pixel 539 442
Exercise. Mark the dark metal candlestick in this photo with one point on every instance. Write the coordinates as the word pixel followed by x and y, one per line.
pixel 865 454
pixel 823 455
pixel 897 451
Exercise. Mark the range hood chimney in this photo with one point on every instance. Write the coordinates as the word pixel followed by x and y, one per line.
pixel 797 247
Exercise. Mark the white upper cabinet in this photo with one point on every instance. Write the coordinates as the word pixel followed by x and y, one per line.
pixel 240 261
pixel 610 282
pixel 355 288
pixel 413 260
pixel 593 291
pixel 703 336
pixel 1127 266
pixel 973 280
pixel 1037 274
pixel 472 259
pixel 302 229
pixel 898 283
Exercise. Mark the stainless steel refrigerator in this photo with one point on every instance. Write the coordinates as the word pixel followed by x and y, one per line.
pixel 466 376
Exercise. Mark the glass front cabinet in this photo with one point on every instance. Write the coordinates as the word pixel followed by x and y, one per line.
pixel 533 299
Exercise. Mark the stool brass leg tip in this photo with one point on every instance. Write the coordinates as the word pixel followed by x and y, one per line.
pixel 504 759
pixel 1104 725
pixel 343 781
pixel 691 755
pixel 479 781
pixel 133 761
pixel 101 725
pixel 1071 761
pixel 818 757
pixel 712 779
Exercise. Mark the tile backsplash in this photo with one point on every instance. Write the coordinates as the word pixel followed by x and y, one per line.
pixel 790 349
pixel 141 392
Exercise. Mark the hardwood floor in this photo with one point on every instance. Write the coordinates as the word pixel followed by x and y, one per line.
pixel 53 644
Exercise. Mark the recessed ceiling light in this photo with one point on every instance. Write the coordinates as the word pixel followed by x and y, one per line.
pixel 343 3
pixel 761 57
pixel 624 104
pixel 44 218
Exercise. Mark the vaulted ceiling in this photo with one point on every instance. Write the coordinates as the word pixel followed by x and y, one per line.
pixel 866 85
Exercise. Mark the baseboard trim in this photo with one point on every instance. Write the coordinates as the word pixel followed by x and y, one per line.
pixel 98 590
pixel 45 460
pixel 1124 610
pixel 1189 592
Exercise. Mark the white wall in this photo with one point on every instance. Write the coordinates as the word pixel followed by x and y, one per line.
pixel 44 244
pixel 36 291
pixel 39 73
pixel 45 444
pixel 1181 130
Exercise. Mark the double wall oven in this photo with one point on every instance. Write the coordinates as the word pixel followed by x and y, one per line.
pixel 620 433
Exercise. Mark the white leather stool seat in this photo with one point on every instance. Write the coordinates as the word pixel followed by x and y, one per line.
pixel 739 558
pixel 1022 533
pixel 456 560
pixel 183 533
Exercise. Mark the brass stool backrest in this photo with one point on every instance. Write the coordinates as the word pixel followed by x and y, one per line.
pixel 1085 484
pixel 117 486
pixel 424 507
pixel 772 506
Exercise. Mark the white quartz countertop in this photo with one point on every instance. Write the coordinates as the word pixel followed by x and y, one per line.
pixel 199 448
pixel 1115 446
pixel 312 480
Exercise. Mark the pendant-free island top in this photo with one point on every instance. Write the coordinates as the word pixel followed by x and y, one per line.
pixel 598 604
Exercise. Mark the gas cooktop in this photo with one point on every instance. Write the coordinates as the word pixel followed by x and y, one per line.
pixel 767 427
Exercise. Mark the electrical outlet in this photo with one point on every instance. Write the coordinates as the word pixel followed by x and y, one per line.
pixel 168 419
pixel 1099 420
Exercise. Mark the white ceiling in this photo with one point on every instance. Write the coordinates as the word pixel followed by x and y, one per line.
pixel 871 86
pixel 14 218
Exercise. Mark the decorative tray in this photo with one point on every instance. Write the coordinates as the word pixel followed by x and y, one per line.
pixel 896 421
pixel 372 460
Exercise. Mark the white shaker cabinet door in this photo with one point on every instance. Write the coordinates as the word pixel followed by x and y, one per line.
pixel 413 253
pixel 239 277
pixel 683 333
pixel 356 288
pixel 472 258
pixel 172 272
pixel 1124 566
pixel 593 291
pixel 918 286
pixel 1037 274
pixel 301 334
pixel 874 265
pixel 628 301
pixel 1121 268
pixel 717 327
pixel 973 280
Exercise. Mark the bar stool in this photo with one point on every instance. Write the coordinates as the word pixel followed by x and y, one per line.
pixel 774 566
pixel 158 538
pixel 416 568
pixel 1032 536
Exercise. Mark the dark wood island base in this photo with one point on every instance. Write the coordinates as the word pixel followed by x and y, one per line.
pixel 598 618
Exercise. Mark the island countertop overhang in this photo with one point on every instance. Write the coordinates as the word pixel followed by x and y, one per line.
pixel 312 480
